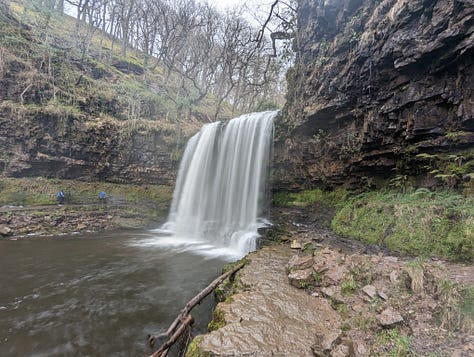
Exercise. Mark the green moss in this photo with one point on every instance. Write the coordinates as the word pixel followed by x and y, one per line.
pixel 230 266
pixel 218 320
pixel 309 248
pixel 281 199
pixel 193 348
pixel 309 197
pixel 457 135
pixel 397 343
pixel 418 223
pixel 232 284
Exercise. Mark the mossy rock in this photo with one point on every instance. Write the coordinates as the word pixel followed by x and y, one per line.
pixel 419 223
pixel 218 320
pixel 193 348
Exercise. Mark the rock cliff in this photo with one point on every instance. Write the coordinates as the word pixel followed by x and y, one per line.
pixel 54 143
pixel 381 89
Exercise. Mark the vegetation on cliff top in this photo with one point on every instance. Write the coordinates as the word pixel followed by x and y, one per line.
pixel 132 62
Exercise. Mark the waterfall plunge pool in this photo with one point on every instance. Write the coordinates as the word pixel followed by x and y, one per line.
pixel 102 294
pixel 97 295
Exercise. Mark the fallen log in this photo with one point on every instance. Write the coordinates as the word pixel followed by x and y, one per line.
pixel 163 350
pixel 183 320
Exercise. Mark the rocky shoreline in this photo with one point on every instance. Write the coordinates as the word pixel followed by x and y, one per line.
pixel 54 220
pixel 319 295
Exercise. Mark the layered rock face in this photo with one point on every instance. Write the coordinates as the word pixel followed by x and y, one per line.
pixel 376 84
pixel 54 143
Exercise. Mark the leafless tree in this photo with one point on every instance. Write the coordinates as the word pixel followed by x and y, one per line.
pixel 204 52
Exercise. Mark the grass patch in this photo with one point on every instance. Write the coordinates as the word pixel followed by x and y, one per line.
pixel 397 343
pixel 232 284
pixel 362 322
pixel 309 197
pixel 193 348
pixel 42 191
pixel 348 285
pixel 458 306
pixel 419 223
pixel 364 272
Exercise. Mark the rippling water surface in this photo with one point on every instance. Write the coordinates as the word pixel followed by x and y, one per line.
pixel 96 295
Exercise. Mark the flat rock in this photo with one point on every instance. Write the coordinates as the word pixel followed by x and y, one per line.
pixel 370 290
pixel 389 317
pixel 333 292
pixel 295 244
pixel 271 318
pixel 297 262
pixel 382 295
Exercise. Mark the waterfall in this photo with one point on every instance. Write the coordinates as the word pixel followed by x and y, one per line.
pixel 221 183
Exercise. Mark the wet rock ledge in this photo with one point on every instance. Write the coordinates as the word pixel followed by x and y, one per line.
pixel 311 299
pixel 269 317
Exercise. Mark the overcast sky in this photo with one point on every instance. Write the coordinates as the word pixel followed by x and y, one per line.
pixel 223 4
pixel 258 8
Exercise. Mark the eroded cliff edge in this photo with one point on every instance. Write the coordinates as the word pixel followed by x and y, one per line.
pixel 379 89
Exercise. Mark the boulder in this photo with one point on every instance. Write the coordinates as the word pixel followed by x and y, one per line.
pixel 330 265
pixel 301 278
pixel 298 263
pixel 389 317
pixel 324 343
pixel 370 290
pixel 5 230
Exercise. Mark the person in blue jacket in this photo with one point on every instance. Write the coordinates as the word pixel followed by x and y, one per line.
pixel 102 197
pixel 60 197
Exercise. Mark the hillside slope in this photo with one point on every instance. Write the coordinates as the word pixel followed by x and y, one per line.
pixel 68 115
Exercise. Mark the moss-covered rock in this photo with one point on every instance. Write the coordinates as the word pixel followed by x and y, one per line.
pixel 193 348
pixel 418 223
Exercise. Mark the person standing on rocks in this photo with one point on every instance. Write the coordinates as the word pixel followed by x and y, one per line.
pixel 102 197
pixel 60 197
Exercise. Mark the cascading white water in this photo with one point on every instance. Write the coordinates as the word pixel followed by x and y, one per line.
pixel 220 184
